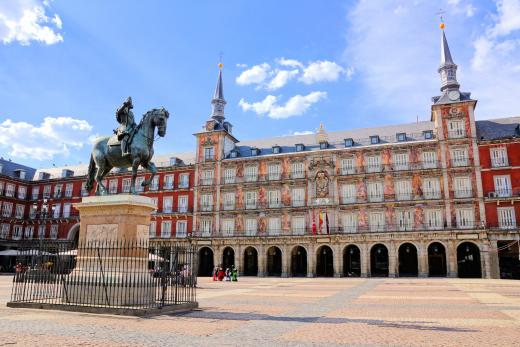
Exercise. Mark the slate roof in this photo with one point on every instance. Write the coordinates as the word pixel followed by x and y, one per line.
pixel 500 128
pixel 10 168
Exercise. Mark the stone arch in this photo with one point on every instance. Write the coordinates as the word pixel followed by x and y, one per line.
pixel 437 266
pixel 352 260
pixel 325 261
pixel 379 260
pixel 408 259
pixel 299 265
pixel 468 260
pixel 206 265
pixel 228 257
pixel 73 234
pixel 274 261
pixel 250 261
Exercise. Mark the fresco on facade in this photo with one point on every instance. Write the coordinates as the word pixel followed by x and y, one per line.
pixel 286 172
pixel 417 186
pixel 262 169
pixel 286 222
pixel 362 218
pixel 239 198
pixel 414 155
pixel 386 159
pixel 262 199
pixel 388 188
pixel 239 223
pixel 390 215
pixel 240 170
pixel 361 191
pixel 286 195
pixel 418 217
pixel 360 161
pixel 262 224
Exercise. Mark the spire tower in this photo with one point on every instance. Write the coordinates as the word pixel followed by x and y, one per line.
pixel 447 69
pixel 218 102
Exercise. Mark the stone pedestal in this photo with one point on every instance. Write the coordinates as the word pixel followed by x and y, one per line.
pixel 112 260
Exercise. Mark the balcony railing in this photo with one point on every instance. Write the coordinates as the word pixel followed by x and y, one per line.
pixel 457 134
pixel 462 193
pixel 503 193
pixel 360 169
pixel 206 181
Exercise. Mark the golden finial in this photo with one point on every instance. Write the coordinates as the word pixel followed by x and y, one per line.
pixel 442 25
pixel 220 65
pixel 440 13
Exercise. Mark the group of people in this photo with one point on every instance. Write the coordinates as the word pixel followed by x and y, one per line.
pixel 230 274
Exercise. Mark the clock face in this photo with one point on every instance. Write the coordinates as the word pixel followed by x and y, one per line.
pixel 454 95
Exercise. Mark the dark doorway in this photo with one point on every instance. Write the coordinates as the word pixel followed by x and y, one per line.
pixel 379 261
pixel 436 260
pixel 324 262
pixel 352 261
pixel 508 260
pixel 250 262
pixel 228 258
pixel 299 262
pixel 408 266
pixel 205 262
pixel 468 260
pixel 274 261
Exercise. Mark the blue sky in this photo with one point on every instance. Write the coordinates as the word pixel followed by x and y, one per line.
pixel 66 65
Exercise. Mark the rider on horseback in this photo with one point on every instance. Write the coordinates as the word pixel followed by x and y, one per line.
pixel 125 117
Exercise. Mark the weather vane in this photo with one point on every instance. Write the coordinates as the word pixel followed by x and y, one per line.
pixel 220 59
pixel 440 13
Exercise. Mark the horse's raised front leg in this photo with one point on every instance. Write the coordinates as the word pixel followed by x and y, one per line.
pixel 151 167
pixel 135 166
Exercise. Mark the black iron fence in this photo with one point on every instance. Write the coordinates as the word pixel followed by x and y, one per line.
pixel 130 275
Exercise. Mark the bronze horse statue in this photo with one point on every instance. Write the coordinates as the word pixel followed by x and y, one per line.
pixel 106 153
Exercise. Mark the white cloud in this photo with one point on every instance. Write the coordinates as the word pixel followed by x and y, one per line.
pixel 304 132
pixel 289 62
pixel 321 70
pixel 54 136
pixel 507 18
pixel 281 78
pixel 295 106
pixel 255 75
pixel 24 21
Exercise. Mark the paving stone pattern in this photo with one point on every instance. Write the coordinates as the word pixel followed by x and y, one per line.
pixel 295 312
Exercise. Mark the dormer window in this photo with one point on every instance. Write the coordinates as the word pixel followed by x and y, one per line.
pixel 234 153
pixel 277 149
pixel 67 173
pixel 401 137
pixel 428 134
pixel 300 147
pixel 255 151
pixel 349 142
pixel 374 140
pixel 324 145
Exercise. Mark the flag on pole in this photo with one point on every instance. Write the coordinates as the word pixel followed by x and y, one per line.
pixel 320 226
pixel 313 223
pixel 327 221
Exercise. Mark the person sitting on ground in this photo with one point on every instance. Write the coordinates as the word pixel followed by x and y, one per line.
pixel 220 274
pixel 228 274
pixel 234 273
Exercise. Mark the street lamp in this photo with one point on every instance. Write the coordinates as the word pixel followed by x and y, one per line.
pixel 43 217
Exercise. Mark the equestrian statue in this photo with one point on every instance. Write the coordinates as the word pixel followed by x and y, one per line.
pixel 130 146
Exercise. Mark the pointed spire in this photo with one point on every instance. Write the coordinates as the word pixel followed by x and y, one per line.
pixel 219 90
pixel 447 69
pixel 445 51
pixel 218 102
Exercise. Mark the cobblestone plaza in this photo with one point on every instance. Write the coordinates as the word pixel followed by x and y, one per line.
pixel 295 312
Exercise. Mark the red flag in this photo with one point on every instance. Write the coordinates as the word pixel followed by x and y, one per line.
pixel 313 223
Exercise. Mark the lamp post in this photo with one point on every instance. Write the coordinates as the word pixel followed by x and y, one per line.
pixel 44 212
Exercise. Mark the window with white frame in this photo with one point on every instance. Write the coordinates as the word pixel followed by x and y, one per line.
pixel 32 211
pixel 251 174
pixel 506 217
pixel 375 191
pixel 297 170
pixel 22 192
pixel 462 187
pixel 433 219
pixel 167 206
pixel 348 166
pixel 4 232
pixel 154 185
pixel 456 129
pixel 19 212
pixel 166 229
pixel 298 197
pixel 152 229
pixel 29 232
pixel 7 209
pixel 459 157
pixel 184 180
pixel 376 221
pixel 139 184
pixel 68 190
pixel 126 185
pixel 498 156
pixel 348 193
pixel 400 160
pixel 251 226
pixel 84 191
pixel 155 202
pixel 403 189
pixel 209 153
pixel 349 220
pixel 404 220
pixel 58 190
pixel 112 186
pixel 502 185
pixel 274 226
pixel 230 175
pixel 46 192
pixel 206 201
pixel 181 228
pixel 183 203
pixel 54 231
pixel 56 210
pixel 273 198
pixel 251 199
pixel 298 225
pixel 465 217
pixel 429 159
pixel 228 201
pixel 41 231
pixel 207 177
pixel 17 232
pixel 205 226
pixel 431 188
pixel 9 190
pixel 35 192
pixel 66 209
pixel 228 227
pixel 373 163
pixel 274 171
pixel 168 182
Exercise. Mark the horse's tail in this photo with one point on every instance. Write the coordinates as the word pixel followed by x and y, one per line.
pixel 91 174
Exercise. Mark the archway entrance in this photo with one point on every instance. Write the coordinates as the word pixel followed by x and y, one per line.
pixel 274 261
pixel 299 262
pixel 508 260
pixel 379 261
pixel 73 234
pixel 351 261
pixel 324 262
pixel 408 266
pixel 205 262
pixel 436 260
pixel 468 260
pixel 250 262
pixel 228 258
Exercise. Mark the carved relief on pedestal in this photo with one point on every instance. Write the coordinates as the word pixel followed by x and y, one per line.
pixel 101 232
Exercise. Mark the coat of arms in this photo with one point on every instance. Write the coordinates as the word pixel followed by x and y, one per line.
pixel 322 184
